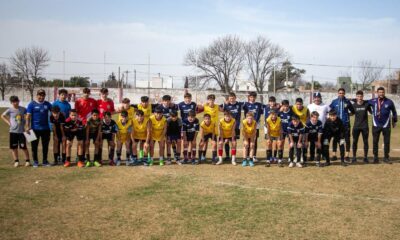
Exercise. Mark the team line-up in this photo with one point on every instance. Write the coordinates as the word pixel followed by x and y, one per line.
pixel 310 130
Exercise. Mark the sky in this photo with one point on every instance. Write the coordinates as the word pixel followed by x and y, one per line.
pixel 130 34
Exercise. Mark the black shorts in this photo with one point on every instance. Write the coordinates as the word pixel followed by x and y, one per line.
pixel 93 136
pixel 106 136
pixel 17 140
pixel 172 138
pixel 70 136
pixel 209 136
pixel 190 136
pixel 237 133
pixel 139 140
pixel 223 139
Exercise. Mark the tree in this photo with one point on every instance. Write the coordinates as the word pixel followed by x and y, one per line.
pixel 286 71
pixel 219 63
pixel 111 82
pixel 28 64
pixel 317 85
pixel 368 73
pixel 5 80
pixel 261 56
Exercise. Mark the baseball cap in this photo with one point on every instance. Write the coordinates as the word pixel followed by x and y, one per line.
pixel 317 95
pixel 41 92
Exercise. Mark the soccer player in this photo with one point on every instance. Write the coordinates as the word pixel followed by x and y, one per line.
pixel 126 106
pixel 145 106
pixel 227 135
pixel 124 125
pixel 295 132
pixel 208 133
pixel 62 103
pixel 213 110
pixel 85 105
pixel 249 132
pixel 319 107
pixel 93 132
pixel 273 137
pixel 186 106
pixel 304 115
pixel 57 119
pixel 158 132
pixel 190 129
pixel 333 129
pixel 141 134
pixel 174 128
pixel 15 119
pixel 73 127
pixel 167 106
pixel 271 106
pixel 313 137
pixel 285 114
pixel 109 129
pixel 105 104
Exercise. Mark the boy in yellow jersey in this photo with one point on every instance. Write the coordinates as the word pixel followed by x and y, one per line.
pixel 190 129
pixel 304 115
pixel 141 134
pixel 210 108
pixel 158 132
pixel 274 137
pixel 126 106
pixel 208 132
pixel 145 106
pixel 124 125
pixel 227 135
pixel 93 133
pixel 249 132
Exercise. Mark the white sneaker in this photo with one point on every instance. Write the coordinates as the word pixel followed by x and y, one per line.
pixel 298 164
pixel 234 163
pixel 219 161
pixel 16 164
pixel 291 164
pixel 27 164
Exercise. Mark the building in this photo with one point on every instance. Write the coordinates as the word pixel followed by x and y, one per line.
pixel 392 86
pixel 344 82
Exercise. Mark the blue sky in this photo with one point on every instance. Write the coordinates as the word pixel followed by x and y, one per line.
pixel 326 32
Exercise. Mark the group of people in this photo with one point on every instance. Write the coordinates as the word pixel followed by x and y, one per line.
pixel 310 130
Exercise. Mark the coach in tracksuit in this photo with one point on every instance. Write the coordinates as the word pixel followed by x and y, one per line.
pixel 382 109
pixel 343 108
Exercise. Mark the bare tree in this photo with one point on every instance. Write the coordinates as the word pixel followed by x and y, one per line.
pixel 261 56
pixel 219 63
pixel 368 73
pixel 28 63
pixel 5 80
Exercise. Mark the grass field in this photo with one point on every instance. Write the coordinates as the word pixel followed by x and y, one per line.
pixel 200 202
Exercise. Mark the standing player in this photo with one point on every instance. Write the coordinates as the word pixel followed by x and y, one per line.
pixel 186 106
pixel 174 128
pixel 105 104
pixel 227 135
pixel 271 106
pixel 249 132
pixel 167 106
pixel 319 107
pixel 57 119
pixel 190 129
pixel 145 106
pixel 273 135
pixel 158 132
pixel 304 115
pixel 73 127
pixel 126 106
pixel 211 109
pixel 93 132
pixel 313 136
pixel 141 134
pixel 62 103
pixel 124 125
pixel 285 114
pixel 333 129
pixel 296 132
pixel 208 133
pixel 108 130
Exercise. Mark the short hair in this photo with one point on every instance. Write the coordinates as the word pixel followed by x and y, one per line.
pixel 380 89
pixel 124 113
pixel 207 115
pixel 187 95
pixel 107 114
pixel 252 94
pixel 227 113
pixel 272 99
pixel 63 90
pixel 126 100
pixel 341 89
pixel 232 94
pixel 211 97
pixel 285 102
pixel 14 99
pixel 104 90
pixel 192 113
pixel 295 117
pixel 173 113
pixel 332 112
pixel 144 99
pixel 95 111
pixel 41 92
pixel 359 92
pixel 72 111
pixel 314 114
pixel 249 114
pixel 86 90
pixel 299 100
pixel 139 113
pixel 158 110
pixel 55 109
pixel 166 98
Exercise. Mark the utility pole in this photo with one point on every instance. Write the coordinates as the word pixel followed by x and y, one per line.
pixel 172 81
pixel 126 79
pixel 119 77
pixel 63 68
pixel 148 76
pixel 274 81
pixel 104 67
pixel 134 78
pixel 390 77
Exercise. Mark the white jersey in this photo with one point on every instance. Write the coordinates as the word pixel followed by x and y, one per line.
pixel 322 109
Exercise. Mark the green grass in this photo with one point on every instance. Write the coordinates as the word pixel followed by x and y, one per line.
pixel 199 202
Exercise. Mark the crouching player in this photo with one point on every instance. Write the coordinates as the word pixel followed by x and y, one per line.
pixel 249 132
pixel 208 133
pixel 274 136
pixel 93 132
pixel 158 132
pixel 141 134
pixel 190 129
pixel 124 125
pixel 73 127
pixel 59 141
pixel 296 132
pixel 108 130
pixel 227 135
pixel 313 136
pixel 333 129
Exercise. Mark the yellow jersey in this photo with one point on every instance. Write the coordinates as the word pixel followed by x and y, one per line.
pixel 226 127
pixel 213 111
pixel 249 129
pixel 301 113
pixel 124 128
pixel 140 129
pixel 210 129
pixel 157 129
pixel 274 127
pixel 131 113
pixel 147 111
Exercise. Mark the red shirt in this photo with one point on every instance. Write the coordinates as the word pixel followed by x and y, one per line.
pixel 84 108
pixel 105 106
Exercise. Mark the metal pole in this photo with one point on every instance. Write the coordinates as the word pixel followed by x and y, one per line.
pixel 119 77
pixel 134 78
pixel 63 69
pixel 274 81
pixel 148 76
pixel 104 67
pixel 390 77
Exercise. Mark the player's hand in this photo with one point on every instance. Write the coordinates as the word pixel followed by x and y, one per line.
pixel 299 145
pixel 394 125
pixel 291 144
pixel 342 141
pixel 318 144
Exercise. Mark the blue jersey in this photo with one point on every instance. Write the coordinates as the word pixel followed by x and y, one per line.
pixel 267 110
pixel 285 119
pixel 235 109
pixel 186 108
pixel 313 130
pixel 256 108
pixel 296 131
pixel 381 110
pixel 167 109
pixel 343 109
pixel 64 106
pixel 40 113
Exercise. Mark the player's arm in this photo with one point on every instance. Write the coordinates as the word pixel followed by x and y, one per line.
pixel 201 133
pixel 164 131
pixel 148 137
pixel 5 117
pixel 233 133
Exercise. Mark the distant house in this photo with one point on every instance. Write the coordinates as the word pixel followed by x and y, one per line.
pixel 344 82
pixel 392 86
